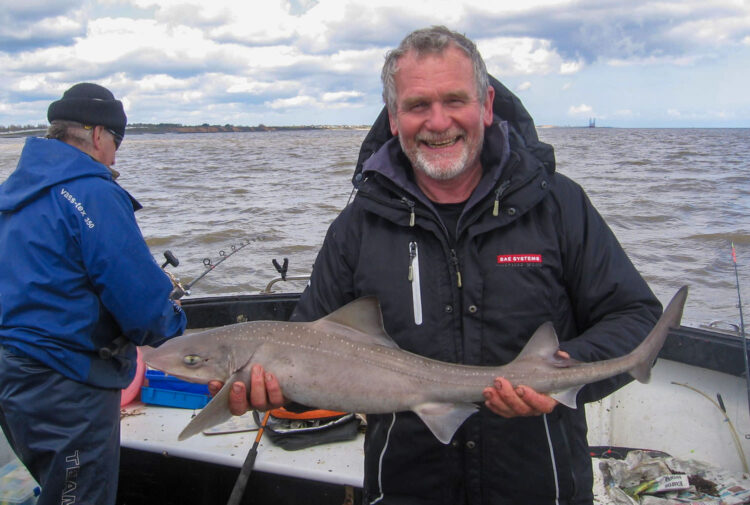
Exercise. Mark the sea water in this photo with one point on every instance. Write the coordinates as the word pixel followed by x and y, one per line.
pixel 675 198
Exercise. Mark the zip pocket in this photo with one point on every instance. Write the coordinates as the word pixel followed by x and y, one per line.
pixel 416 288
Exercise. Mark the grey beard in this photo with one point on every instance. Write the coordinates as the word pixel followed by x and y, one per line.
pixel 441 173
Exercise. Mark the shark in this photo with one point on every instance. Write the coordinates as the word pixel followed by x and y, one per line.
pixel 347 362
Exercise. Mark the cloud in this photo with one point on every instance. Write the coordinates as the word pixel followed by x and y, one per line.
pixel 524 86
pixel 296 101
pixel 341 96
pixel 506 56
pixel 580 110
pixel 341 99
pixel 176 60
pixel 600 30
pixel 624 113
pixel 29 24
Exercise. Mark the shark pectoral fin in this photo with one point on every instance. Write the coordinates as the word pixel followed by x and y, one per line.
pixel 567 397
pixel 444 419
pixel 216 412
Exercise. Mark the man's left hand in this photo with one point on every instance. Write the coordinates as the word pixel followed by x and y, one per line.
pixel 507 401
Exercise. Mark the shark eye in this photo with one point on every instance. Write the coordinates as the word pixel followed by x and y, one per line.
pixel 192 360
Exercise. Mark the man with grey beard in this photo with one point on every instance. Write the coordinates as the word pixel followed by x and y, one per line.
pixel 470 241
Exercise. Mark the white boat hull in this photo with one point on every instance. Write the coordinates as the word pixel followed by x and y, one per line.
pixel 674 419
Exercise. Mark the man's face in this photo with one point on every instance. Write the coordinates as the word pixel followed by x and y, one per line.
pixel 105 146
pixel 439 118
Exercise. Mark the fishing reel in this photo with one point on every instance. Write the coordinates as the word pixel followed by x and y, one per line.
pixel 178 290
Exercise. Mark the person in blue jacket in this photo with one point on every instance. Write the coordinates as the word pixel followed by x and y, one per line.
pixel 77 275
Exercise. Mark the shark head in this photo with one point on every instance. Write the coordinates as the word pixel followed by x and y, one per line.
pixel 193 358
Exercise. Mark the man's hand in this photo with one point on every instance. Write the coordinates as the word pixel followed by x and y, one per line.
pixel 507 401
pixel 265 392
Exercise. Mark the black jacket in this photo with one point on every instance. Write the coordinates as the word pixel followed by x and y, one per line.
pixel 529 248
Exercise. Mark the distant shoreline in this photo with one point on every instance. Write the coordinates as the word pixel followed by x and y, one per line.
pixel 138 128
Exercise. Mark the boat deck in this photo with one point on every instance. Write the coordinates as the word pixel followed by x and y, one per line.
pixel 156 468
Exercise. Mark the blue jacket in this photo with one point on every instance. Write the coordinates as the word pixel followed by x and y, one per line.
pixel 77 272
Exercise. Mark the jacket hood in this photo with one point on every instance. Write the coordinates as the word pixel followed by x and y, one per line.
pixel 506 107
pixel 45 163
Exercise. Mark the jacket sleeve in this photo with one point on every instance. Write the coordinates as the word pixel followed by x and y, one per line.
pixel 331 282
pixel 613 307
pixel 127 279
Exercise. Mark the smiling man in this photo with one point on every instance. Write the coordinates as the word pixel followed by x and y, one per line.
pixel 470 241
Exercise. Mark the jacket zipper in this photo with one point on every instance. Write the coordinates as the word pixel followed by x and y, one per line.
pixel 498 195
pixel 416 288
pixel 411 205
pixel 454 261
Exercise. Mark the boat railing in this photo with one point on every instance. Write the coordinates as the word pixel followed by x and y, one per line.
pixel 723 326
pixel 285 279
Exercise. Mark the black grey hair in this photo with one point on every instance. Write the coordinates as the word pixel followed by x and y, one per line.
pixel 71 132
pixel 435 39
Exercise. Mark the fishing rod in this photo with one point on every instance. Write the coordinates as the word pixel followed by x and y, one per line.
pixel 181 290
pixel 247 466
pixel 178 291
pixel 742 323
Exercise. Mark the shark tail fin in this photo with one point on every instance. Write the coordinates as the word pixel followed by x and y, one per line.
pixel 655 340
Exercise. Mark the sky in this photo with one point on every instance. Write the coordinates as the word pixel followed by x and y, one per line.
pixel 668 63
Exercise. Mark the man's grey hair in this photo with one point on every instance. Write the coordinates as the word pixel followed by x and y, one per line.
pixel 70 132
pixel 432 40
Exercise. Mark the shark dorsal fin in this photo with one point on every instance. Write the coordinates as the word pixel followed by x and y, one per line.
pixel 542 344
pixel 364 316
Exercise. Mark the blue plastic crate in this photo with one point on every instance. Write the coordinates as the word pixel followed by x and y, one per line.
pixel 172 398
pixel 160 380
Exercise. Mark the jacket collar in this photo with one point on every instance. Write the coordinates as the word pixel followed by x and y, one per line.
pixel 391 163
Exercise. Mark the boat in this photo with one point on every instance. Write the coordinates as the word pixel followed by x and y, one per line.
pixel 695 407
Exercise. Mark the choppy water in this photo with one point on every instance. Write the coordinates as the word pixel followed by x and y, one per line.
pixel 675 198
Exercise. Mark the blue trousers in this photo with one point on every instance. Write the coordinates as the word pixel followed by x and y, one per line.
pixel 65 432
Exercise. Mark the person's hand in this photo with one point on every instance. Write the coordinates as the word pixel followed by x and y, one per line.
pixel 265 392
pixel 506 401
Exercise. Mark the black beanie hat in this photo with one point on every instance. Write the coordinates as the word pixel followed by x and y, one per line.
pixel 90 104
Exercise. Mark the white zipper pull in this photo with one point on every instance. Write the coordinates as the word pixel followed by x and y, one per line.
pixel 416 289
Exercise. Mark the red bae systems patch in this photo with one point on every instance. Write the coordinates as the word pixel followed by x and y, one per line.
pixel 519 259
